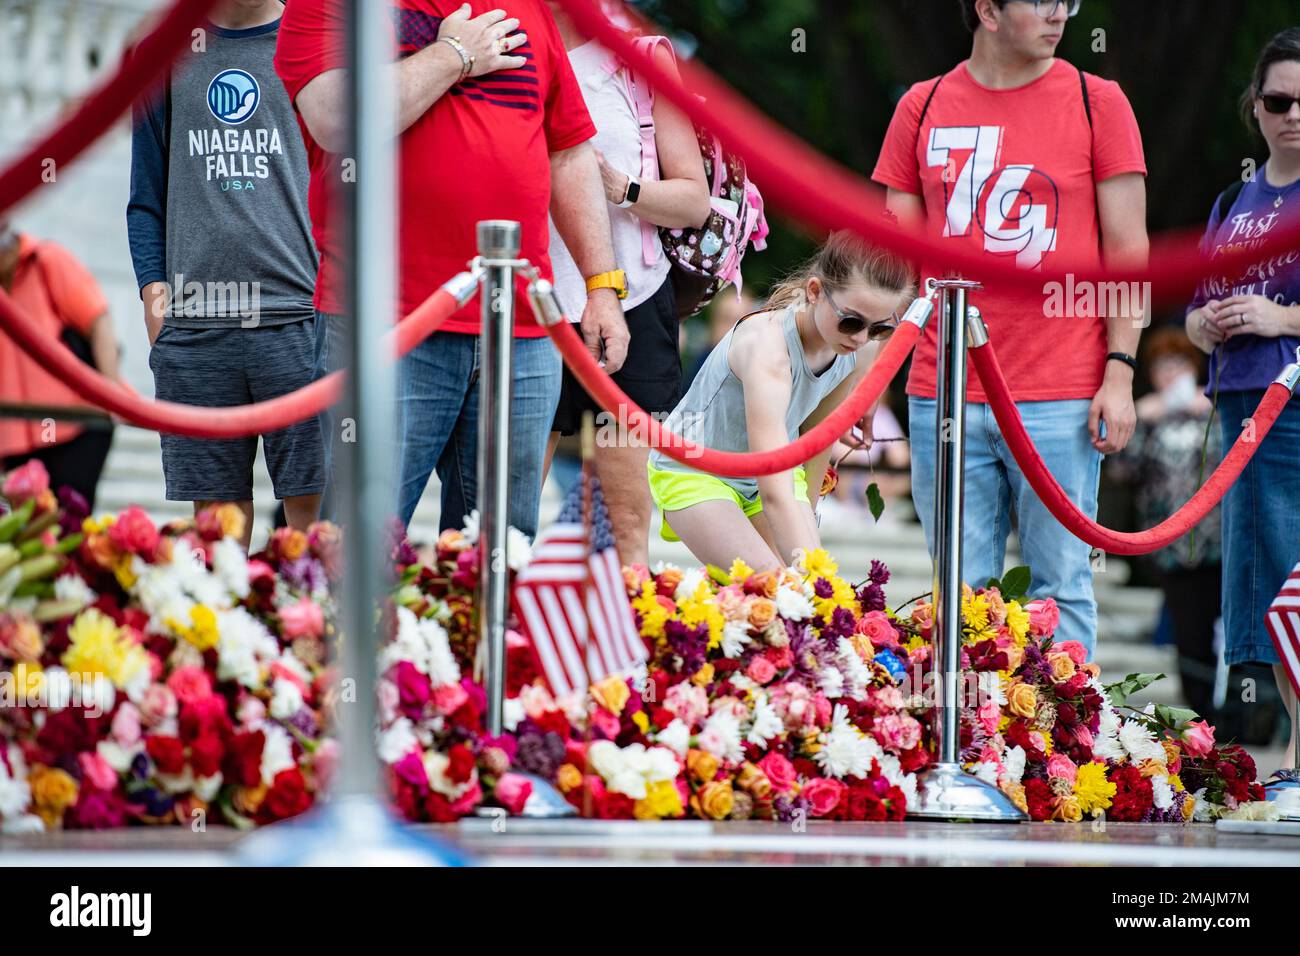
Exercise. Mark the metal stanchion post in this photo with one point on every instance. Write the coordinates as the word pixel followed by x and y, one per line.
pixel 498 246
pixel 946 791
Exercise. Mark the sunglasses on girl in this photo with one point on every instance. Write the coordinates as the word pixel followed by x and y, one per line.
pixel 851 323
pixel 1278 103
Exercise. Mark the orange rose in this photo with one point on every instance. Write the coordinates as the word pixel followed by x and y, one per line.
pixel 568 778
pixel 1022 700
pixel 1061 666
pixel 762 611
pixel 752 780
pixel 1066 809
pixel 53 791
pixel 666 581
pixel 714 800
pixel 764 585
pixel 701 765
pixel 611 693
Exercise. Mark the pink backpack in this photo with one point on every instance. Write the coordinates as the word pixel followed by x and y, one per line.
pixel 704 260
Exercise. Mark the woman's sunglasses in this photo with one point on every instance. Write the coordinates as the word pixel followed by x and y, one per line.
pixel 1278 103
pixel 851 323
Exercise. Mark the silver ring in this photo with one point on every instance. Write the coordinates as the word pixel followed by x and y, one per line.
pixel 1241 319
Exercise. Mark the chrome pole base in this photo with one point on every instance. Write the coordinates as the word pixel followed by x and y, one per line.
pixel 947 792
pixel 346 831
pixel 544 803
pixel 1283 788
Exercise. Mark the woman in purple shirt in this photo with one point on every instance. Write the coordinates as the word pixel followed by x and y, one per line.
pixel 1249 323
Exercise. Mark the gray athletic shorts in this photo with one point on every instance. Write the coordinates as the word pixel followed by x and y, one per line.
pixel 237 366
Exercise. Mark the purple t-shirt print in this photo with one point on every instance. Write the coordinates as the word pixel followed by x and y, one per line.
pixel 1251 362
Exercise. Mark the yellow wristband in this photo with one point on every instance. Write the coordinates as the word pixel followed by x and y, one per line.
pixel 615 280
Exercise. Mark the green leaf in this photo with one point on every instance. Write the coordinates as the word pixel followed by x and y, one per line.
pixel 1015 584
pixel 1175 717
pixel 1122 690
pixel 875 501
pixel 719 575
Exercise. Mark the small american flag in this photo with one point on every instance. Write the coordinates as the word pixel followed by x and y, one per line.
pixel 1283 623
pixel 548 599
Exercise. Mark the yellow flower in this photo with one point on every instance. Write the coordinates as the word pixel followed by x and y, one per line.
pixel 1176 782
pixel 1017 794
pixel 123 572
pixel 96 646
pixel 1091 788
pixel 568 778
pixel 653 614
pixel 1066 809
pixel 704 676
pixel 740 571
pixel 1022 700
pixel 1017 620
pixel 818 564
pixel 714 800
pixel 98 525
pixel 842 595
pixel 702 608
pixel 662 799
pixel 975 612
pixel 611 693
pixel 53 791
pixel 642 721
pixel 201 631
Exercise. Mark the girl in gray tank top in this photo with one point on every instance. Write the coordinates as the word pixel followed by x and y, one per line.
pixel 774 374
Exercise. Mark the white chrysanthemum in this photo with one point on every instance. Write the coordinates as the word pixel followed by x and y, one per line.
pixel 686 587
pixel 160 589
pixel 1162 794
pixel 118 757
pixel 286 699
pixel 230 567
pixel 397 740
pixel 857 676
pixel 244 648
pixel 735 638
pixel 766 722
pixel 471 527
pixel 720 736
pixel 991 687
pixel 631 770
pixel 70 587
pixel 23 825
pixel 443 668
pixel 659 764
pixel 435 768
pixel 174 783
pixel 207 788
pixel 831 682
pixel 986 770
pixel 519 550
pixel 742 683
pixel 793 605
pixel 662 566
pixel 1139 742
pixel 1013 763
pixel 676 737
pixel 1203 811
pixel 512 713
pixel 277 752
pixel 422 642
pixel 845 751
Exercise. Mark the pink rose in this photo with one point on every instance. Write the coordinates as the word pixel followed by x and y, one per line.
pixel 1061 766
pixel 822 708
pixel 731 602
pixel 513 791
pixel 923 618
pixel 471 798
pixel 760 670
pixel 605 723
pixel 687 702
pixel 1198 738
pixel 448 698
pixel 1044 616
pixel 25 482
pixel 823 795
pixel 158 705
pixel 388 699
pixel 877 628
pixel 1078 653
pixel 990 755
pixel 134 532
pixel 989 715
pixel 190 684
pixel 96 771
pixel 126 725
pixel 794 704
pixel 779 771
pixel 303 619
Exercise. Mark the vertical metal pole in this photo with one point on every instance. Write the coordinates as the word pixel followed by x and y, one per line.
pixel 950 458
pixel 364 463
pixel 498 243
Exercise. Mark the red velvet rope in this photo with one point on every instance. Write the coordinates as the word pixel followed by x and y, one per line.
pixel 734 464
pixel 1075 521
pixel 137 74
pixel 238 421
pixel 812 188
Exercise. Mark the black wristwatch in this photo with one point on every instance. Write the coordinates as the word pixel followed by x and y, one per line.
pixel 1124 357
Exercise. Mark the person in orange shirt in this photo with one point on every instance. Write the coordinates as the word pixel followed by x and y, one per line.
pixel 60 296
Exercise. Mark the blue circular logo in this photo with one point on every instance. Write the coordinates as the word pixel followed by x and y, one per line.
pixel 233 96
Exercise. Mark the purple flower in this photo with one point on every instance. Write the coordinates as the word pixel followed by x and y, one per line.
pixel 872 598
pixel 305 574
pixel 879 573
pixel 841 624
pixel 787 808
pixel 74 509
pixel 688 643
pixel 824 588
pixel 306 722
pixel 543 754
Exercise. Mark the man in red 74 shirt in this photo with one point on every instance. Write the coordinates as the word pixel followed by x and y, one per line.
pixel 493 126
pixel 1022 157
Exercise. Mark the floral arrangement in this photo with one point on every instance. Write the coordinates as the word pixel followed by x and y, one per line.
pixel 768 696
pixel 157 675
pixel 1062 745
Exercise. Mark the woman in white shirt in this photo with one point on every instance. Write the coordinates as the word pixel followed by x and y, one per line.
pixel 675 196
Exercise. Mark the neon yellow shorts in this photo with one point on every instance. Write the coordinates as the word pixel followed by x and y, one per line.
pixel 675 490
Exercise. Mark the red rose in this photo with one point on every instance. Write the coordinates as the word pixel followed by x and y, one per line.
pixel 1038 796
pixel 167 753
pixel 205 755
pixel 614 806
pixel 407 799
pixel 243 763
pixel 204 716
pixel 439 808
pixel 895 804
pixel 553 721
pixel 1133 795
pixel 806 768
pixel 913 760
pixel 134 532
pixel 461 765
pixel 288 795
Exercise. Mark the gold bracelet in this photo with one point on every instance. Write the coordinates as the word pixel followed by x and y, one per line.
pixel 466 60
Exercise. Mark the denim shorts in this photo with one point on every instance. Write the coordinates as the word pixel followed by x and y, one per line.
pixel 1261 527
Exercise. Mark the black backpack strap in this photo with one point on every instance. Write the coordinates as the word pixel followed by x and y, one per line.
pixel 1087 104
pixel 926 108
pixel 1229 196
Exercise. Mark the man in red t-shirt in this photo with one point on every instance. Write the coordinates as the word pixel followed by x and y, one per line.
pixel 493 126
pixel 1019 155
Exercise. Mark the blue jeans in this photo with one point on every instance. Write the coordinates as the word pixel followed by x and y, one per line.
pixel 438 399
pixel 1261 527
pixel 1058 561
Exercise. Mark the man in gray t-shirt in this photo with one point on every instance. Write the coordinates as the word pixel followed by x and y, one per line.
pixel 221 242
